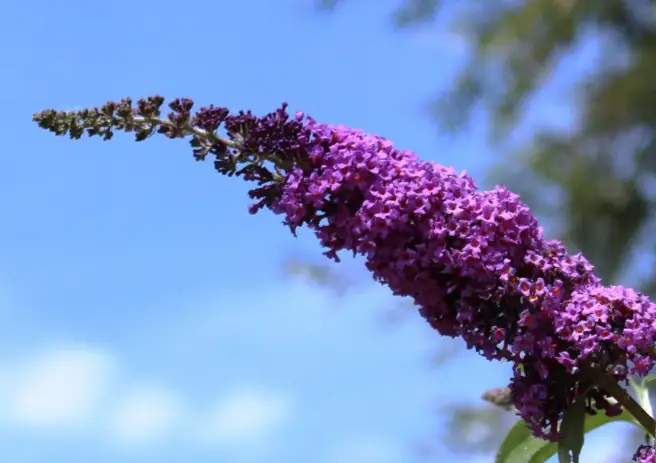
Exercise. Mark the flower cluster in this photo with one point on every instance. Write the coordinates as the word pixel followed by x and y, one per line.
pixel 476 265
pixel 645 454
pixel 475 262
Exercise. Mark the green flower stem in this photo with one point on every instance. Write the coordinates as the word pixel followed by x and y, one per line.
pixel 643 395
pixel 610 385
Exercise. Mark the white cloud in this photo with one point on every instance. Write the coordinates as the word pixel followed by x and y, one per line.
pixel 144 415
pixel 74 389
pixel 246 417
pixel 59 387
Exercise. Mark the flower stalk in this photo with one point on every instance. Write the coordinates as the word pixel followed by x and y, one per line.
pixel 610 385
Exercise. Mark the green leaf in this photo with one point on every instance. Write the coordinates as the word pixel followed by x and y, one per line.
pixel 572 433
pixel 520 446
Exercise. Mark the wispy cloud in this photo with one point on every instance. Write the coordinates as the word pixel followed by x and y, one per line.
pixel 72 389
pixel 60 387
pixel 145 414
pixel 246 417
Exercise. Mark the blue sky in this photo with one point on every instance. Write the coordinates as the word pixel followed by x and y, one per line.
pixel 144 314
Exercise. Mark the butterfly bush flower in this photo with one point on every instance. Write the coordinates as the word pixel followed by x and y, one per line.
pixel 474 262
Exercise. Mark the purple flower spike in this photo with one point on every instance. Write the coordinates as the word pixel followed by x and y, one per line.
pixel 474 262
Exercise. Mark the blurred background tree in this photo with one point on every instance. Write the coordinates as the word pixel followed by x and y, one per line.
pixel 591 179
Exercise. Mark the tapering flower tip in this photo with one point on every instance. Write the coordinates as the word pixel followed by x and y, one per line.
pixel 645 454
pixel 253 146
